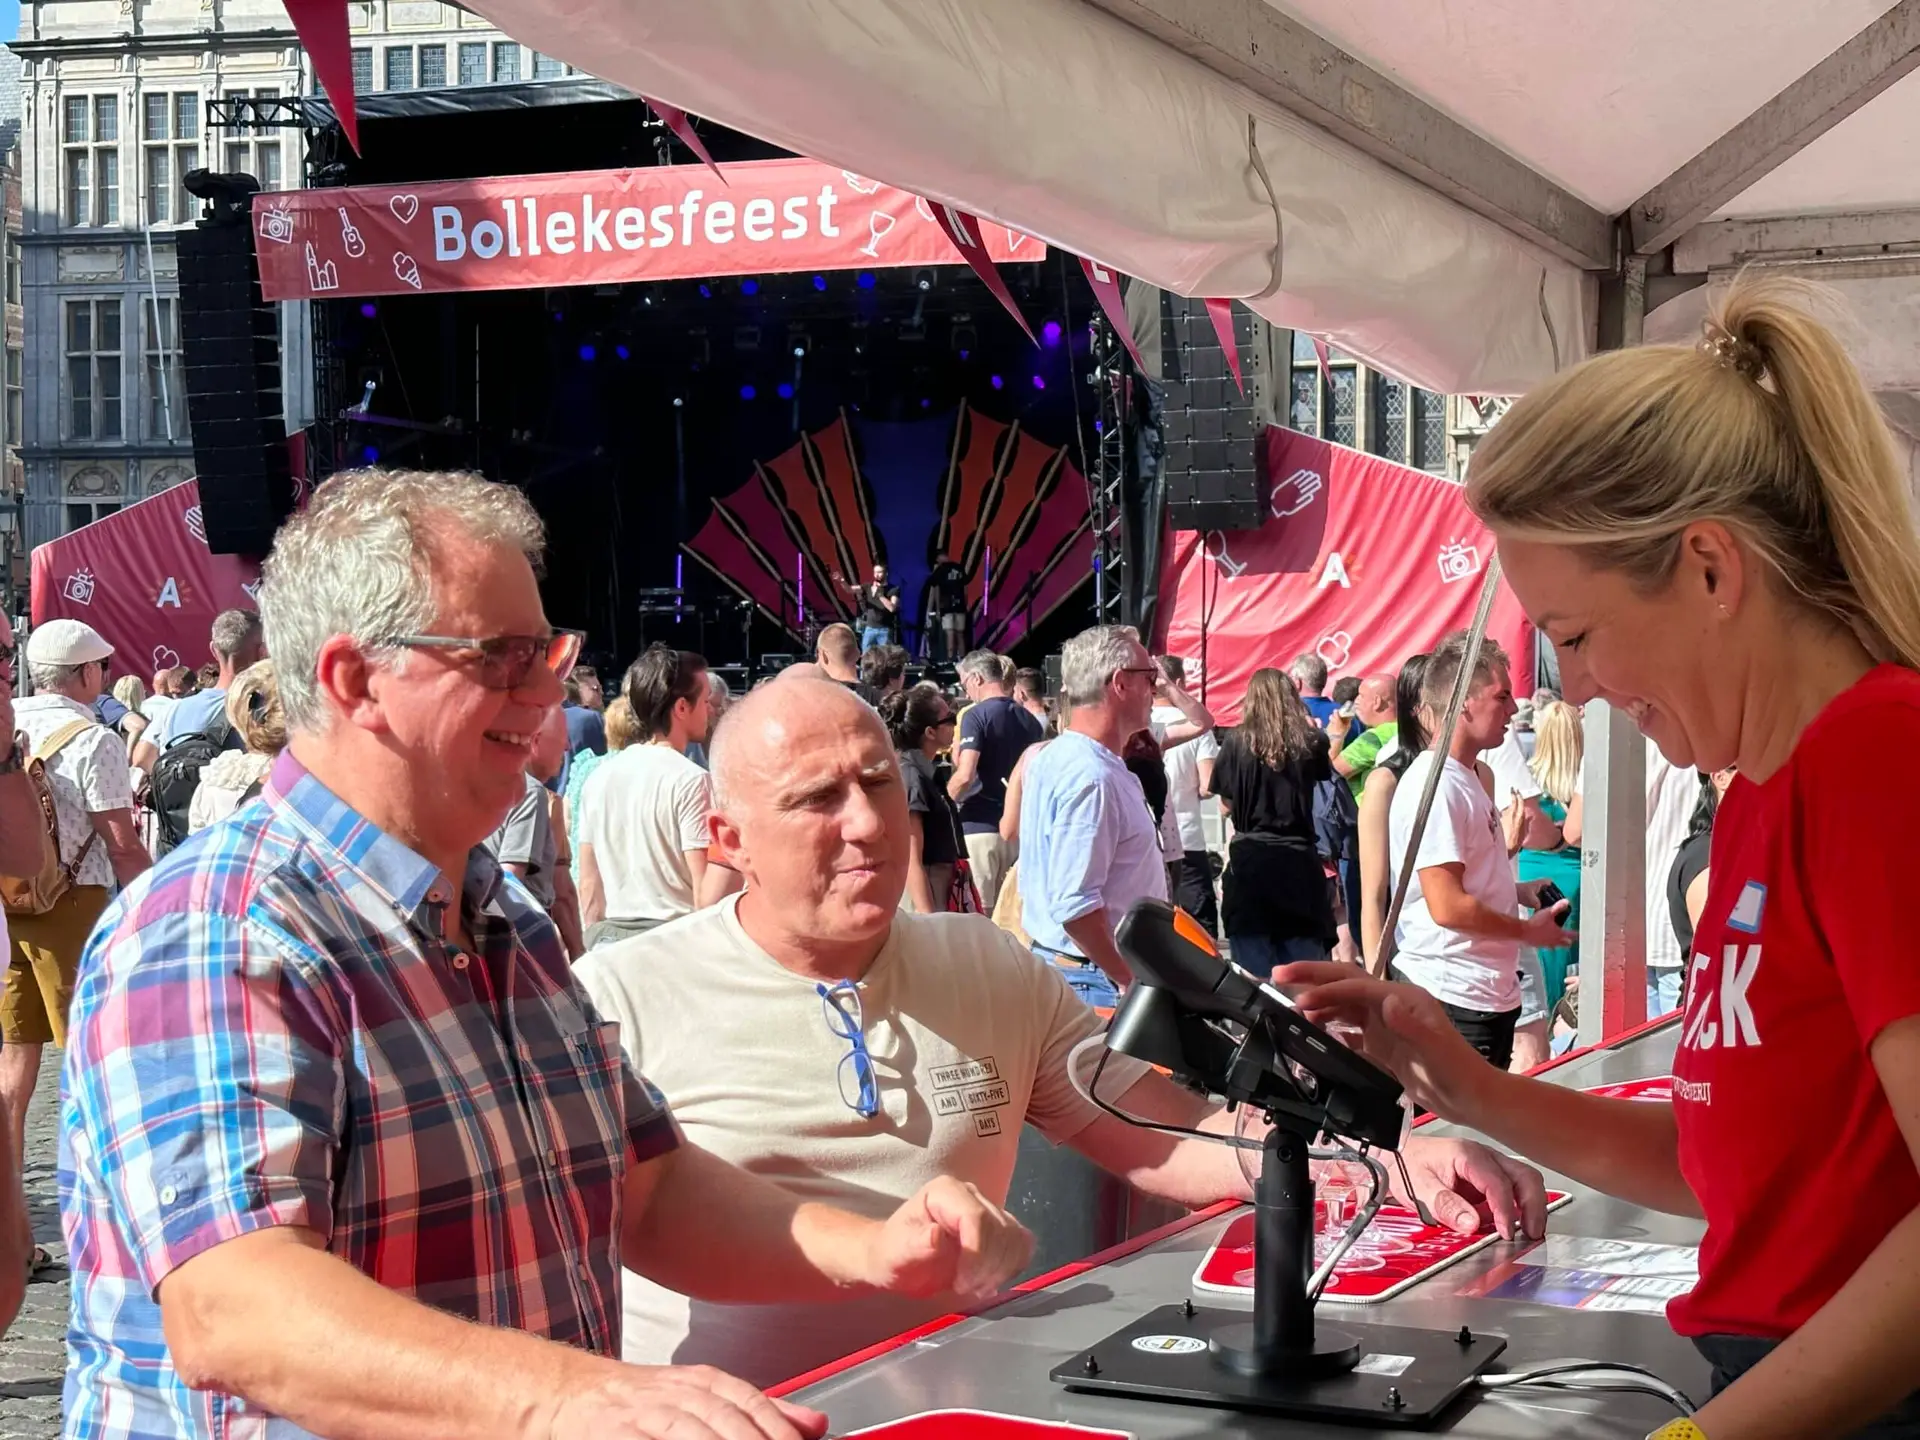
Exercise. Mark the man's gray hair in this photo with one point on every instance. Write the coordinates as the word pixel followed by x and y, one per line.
pixel 358 561
pixel 47 677
pixel 1310 671
pixel 234 631
pixel 1091 658
pixel 986 667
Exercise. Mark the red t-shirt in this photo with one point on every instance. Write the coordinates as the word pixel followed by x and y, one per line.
pixel 1804 954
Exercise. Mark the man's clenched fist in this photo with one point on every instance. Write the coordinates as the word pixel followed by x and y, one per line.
pixel 948 1237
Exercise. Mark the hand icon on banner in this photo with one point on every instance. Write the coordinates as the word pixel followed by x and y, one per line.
pixel 321 275
pixel 1295 493
pixel 351 237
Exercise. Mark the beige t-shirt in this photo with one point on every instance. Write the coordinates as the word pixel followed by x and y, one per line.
pixel 969 1035
pixel 643 810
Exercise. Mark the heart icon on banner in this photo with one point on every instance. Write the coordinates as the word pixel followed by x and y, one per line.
pixel 404 267
pixel 196 524
pixel 165 658
pixel 404 208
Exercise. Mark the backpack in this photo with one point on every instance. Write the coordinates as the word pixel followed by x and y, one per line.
pixel 40 892
pixel 1336 820
pixel 176 775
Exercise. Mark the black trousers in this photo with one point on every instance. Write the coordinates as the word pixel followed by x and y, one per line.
pixel 1193 889
pixel 1490 1032
pixel 1733 1355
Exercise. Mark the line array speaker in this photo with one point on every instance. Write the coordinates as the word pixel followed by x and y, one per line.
pixel 230 351
pixel 1212 431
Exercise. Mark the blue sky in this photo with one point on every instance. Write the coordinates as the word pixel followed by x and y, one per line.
pixel 9 19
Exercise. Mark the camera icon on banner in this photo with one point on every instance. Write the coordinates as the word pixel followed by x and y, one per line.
pixel 277 225
pixel 79 587
pixel 1459 561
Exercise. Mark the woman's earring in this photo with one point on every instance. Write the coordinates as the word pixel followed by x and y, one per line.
pixel 1725 614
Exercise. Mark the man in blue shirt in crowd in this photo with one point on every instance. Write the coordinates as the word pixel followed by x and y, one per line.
pixel 1309 673
pixel 236 643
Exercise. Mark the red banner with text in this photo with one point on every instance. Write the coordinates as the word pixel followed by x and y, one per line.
pixel 1361 561
pixel 145 580
pixel 603 227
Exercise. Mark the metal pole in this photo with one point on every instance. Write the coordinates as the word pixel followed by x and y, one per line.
pixel 159 336
pixel 1613 841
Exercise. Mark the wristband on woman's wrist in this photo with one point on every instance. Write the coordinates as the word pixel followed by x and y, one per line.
pixel 1682 1429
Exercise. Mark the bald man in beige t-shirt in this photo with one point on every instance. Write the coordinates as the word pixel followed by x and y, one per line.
pixel 745 1015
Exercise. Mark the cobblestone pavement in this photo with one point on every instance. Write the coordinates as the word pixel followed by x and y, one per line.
pixel 33 1356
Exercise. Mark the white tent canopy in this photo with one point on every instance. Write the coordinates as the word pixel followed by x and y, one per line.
pixel 1432 184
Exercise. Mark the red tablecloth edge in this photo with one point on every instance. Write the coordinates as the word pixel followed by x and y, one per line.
pixel 1038 1282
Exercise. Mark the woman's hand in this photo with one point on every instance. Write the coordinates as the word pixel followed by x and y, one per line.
pixel 1401 1028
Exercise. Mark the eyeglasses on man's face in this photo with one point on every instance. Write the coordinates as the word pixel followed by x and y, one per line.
pixel 503 662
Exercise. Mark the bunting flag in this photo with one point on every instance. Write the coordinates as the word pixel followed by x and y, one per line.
pixel 964 231
pixel 322 28
pixel 1325 357
pixel 675 119
pixel 1221 313
pixel 1106 287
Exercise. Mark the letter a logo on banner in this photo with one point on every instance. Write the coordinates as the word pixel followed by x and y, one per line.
pixel 675 119
pixel 1106 287
pixel 1221 313
pixel 964 231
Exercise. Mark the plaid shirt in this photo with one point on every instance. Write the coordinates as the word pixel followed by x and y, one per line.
pixel 270 1030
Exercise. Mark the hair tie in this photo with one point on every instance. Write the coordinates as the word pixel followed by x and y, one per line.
pixel 1730 350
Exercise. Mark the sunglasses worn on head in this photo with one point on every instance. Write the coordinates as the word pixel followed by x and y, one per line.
pixel 503 662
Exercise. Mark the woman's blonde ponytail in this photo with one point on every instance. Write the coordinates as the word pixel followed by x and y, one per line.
pixel 1765 426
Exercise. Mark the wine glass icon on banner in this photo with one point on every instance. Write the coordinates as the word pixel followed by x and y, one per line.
pixel 879 222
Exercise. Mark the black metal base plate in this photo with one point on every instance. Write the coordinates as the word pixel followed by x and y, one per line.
pixel 1167 1355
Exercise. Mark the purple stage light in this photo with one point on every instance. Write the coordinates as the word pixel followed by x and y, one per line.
pixel 747 392
pixel 369 310
pixel 587 353
pixel 1050 332
pixel 865 280
pixel 623 352
pixel 786 392
pixel 1039 382
pixel 997 382
pixel 820 282
pixel 749 287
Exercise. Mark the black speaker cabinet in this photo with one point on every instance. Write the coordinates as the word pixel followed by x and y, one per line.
pixel 1212 431
pixel 230 351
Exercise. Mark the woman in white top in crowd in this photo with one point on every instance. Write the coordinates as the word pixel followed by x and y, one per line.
pixel 234 777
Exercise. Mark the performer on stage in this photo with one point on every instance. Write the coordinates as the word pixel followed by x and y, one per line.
pixel 879 607
pixel 945 607
pixel 1718 541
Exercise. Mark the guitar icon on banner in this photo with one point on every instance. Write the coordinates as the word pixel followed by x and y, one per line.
pixel 351 237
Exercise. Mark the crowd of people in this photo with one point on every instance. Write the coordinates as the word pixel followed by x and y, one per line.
pixel 469 995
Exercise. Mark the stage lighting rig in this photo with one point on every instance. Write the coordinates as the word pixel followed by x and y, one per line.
pixel 1225 1032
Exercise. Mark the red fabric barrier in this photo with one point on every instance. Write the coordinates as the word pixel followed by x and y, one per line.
pixel 1361 561
pixel 144 579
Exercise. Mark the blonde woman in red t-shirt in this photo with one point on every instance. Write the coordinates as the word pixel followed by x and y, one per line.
pixel 1719 541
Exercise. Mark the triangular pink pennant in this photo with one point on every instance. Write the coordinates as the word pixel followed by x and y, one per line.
pixel 1325 357
pixel 964 231
pixel 322 28
pixel 1221 313
pixel 675 119
pixel 1106 288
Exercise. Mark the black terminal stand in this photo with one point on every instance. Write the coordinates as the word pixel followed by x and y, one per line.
pixel 1281 1340
pixel 1217 1028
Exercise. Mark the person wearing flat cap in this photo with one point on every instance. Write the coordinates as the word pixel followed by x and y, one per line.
pixel 91 784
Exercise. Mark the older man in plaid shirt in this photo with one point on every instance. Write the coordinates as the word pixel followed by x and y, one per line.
pixel 344 1148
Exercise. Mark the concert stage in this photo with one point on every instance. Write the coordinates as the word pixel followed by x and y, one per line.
pixel 744 438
